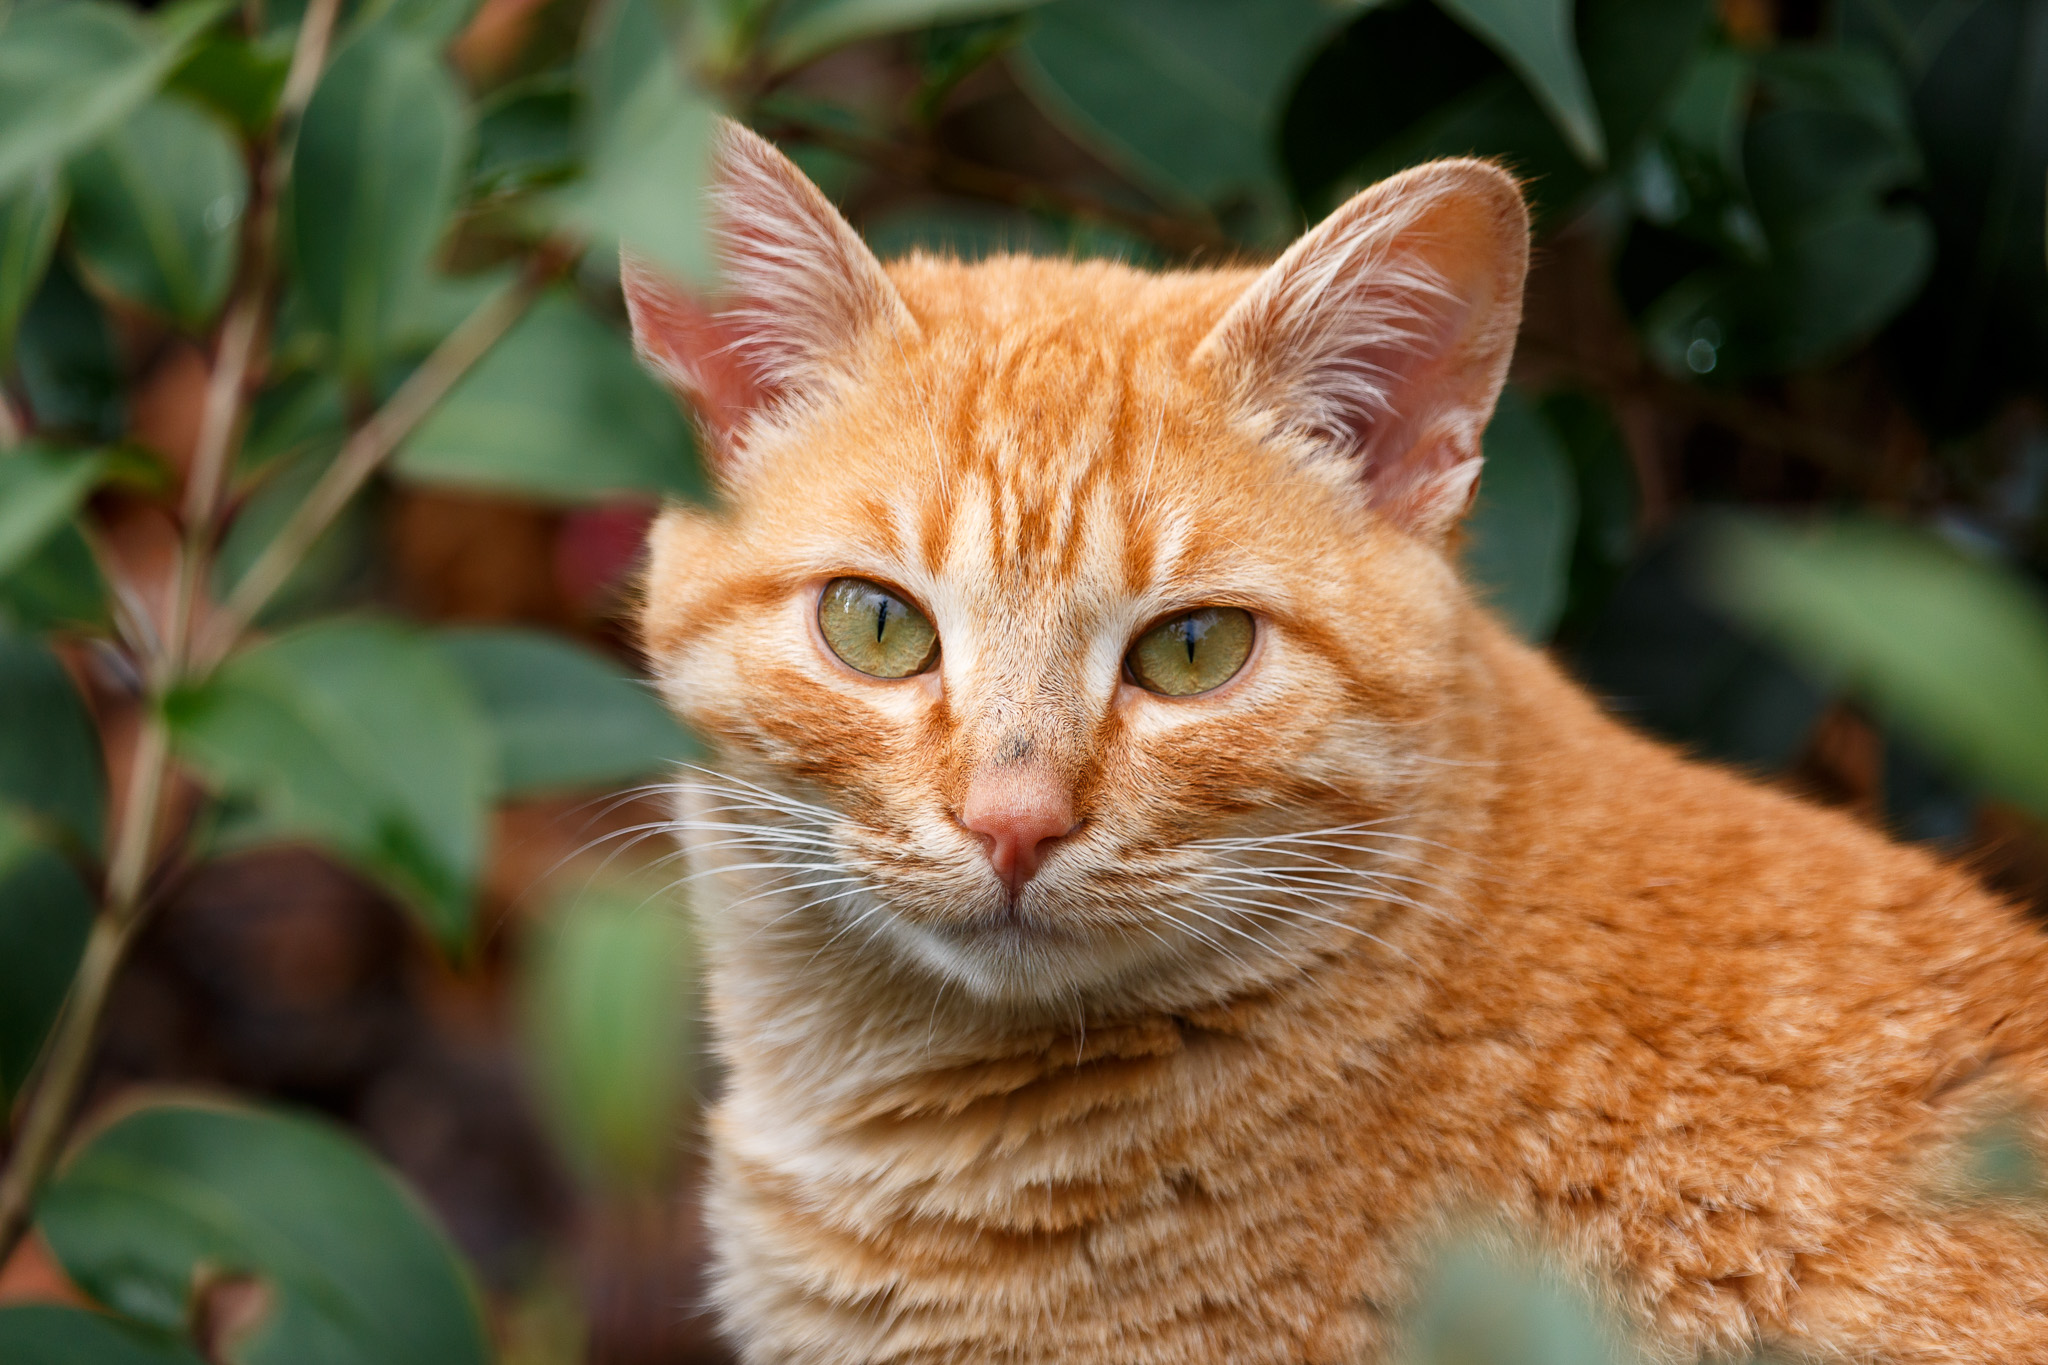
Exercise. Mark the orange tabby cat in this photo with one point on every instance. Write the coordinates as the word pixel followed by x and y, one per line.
pixel 1157 901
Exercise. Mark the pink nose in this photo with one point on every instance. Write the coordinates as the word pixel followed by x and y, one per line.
pixel 1017 811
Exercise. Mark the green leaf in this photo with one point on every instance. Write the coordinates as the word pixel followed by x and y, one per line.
pixel 45 915
pixel 649 158
pixel 1481 1306
pixel 432 21
pixel 239 78
pixel 70 71
pixel 559 409
pixel 173 1195
pixel 1953 650
pixel 51 773
pixel 609 1013
pixel 563 716
pixel 57 588
pixel 65 356
pixel 155 207
pixel 1635 52
pixel 40 488
pixel 29 219
pixel 1186 96
pixel 1535 38
pixel 357 734
pixel 45 1334
pixel 337 566
pixel 1519 535
pixel 526 136
pixel 372 182
pixel 1828 285
pixel 806 30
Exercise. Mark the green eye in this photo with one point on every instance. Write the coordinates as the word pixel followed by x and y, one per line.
pixel 1191 652
pixel 875 631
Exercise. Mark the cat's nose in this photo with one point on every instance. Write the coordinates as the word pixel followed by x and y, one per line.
pixel 1017 810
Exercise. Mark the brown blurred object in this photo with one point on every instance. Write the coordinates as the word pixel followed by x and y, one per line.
pixel 472 557
pixel 31 1275
pixel 165 405
pixel 642 1271
pixel 2011 854
pixel 1843 764
pixel 497 36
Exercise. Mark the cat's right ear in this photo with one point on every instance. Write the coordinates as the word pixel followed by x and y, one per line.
pixel 1383 336
pixel 800 293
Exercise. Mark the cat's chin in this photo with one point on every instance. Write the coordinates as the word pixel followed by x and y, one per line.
pixel 1021 959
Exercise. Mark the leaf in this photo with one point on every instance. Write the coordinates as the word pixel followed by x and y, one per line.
pixel 57 588
pixel 239 78
pixel 45 1334
pixel 29 219
pixel 51 773
pixel 806 30
pixel 65 356
pixel 432 21
pixel 609 1013
pixel 72 69
pixel 174 1195
pixel 45 915
pixel 338 565
pixel 559 409
pixel 372 183
pixel 563 716
pixel 1520 531
pixel 1481 1306
pixel 40 488
pixel 1827 286
pixel 359 735
pixel 1951 649
pixel 1186 96
pixel 648 168
pixel 1535 37
pixel 1635 52
pixel 526 136
pixel 155 206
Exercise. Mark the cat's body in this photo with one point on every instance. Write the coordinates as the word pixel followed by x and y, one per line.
pixel 1392 929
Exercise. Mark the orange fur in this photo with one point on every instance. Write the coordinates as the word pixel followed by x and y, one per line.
pixel 1477 949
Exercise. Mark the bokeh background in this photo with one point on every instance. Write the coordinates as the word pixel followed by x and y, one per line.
pixel 1771 478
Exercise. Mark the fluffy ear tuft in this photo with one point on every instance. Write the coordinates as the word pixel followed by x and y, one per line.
pixel 1384 335
pixel 801 292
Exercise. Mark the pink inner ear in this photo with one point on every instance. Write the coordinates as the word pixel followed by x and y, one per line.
pixel 697 350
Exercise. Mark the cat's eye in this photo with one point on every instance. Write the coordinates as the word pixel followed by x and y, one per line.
pixel 874 630
pixel 1192 652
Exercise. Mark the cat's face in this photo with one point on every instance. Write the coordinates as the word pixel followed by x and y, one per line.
pixel 941 633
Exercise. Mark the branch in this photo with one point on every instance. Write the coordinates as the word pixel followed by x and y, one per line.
pixel 1187 236
pixel 370 446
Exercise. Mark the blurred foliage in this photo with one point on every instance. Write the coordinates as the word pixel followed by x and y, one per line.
pixel 1772 470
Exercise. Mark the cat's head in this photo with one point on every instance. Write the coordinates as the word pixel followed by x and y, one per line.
pixel 1066 625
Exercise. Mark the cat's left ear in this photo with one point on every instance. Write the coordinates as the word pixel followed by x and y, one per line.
pixel 800 293
pixel 1383 336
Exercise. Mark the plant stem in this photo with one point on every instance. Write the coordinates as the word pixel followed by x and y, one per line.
pixel 370 446
pixel 61 1072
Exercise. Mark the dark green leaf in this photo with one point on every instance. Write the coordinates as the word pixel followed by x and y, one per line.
pixel 155 208
pixel 57 588
pixel 67 362
pixel 1635 52
pixel 559 409
pixel 622 41
pixel 44 1334
pixel 1827 286
pixel 70 71
pixel 526 136
pixel 39 490
pixel 339 566
pixel 45 914
pixel 432 21
pixel 1520 531
pixel 1184 95
pixel 1535 36
pixel 357 734
pixel 609 1014
pixel 357 1273
pixel 804 30
pixel 1834 137
pixel 29 219
pixel 239 78
pixel 372 183
pixel 50 769
pixel 563 716
pixel 1952 649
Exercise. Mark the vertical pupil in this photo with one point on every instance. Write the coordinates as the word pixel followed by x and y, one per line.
pixel 1189 636
pixel 881 618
